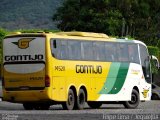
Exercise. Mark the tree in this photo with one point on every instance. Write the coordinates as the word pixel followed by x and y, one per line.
pixel 2 33
pixel 136 18
pixel 88 15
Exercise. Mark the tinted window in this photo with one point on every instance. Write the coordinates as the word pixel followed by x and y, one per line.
pixel 55 44
pixel 59 49
pixel 110 51
pixel 63 52
pixel 74 50
pixel 133 53
pixel 144 55
pixel 95 50
pixel 99 50
pixel 122 50
pixel 87 50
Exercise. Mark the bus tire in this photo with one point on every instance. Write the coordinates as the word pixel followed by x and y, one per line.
pixel 135 100
pixel 81 99
pixel 94 105
pixel 28 106
pixel 70 103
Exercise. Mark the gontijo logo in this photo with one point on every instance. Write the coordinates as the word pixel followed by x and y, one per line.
pixel 23 43
pixel 145 92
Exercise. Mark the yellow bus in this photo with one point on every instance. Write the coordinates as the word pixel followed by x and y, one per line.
pixel 71 68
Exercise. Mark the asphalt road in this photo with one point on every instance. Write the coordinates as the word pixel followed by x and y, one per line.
pixel 145 111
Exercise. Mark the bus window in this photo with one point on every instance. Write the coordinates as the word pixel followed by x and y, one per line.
pixel 61 49
pixel 133 53
pixel 74 50
pixel 87 50
pixel 122 50
pixel 145 63
pixel 110 52
pixel 98 51
pixel 55 44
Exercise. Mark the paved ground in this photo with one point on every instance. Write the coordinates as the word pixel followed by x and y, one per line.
pixel 146 111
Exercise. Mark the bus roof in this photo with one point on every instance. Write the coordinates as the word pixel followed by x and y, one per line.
pixel 84 34
pixel 74 35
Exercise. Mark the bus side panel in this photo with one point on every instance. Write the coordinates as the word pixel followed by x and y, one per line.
pixel 77 73
pixel 59 89
pixel 134 78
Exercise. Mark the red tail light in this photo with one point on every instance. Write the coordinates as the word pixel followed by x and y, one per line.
pixel 47 81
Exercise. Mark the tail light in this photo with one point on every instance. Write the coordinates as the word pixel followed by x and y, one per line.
pixel 47 81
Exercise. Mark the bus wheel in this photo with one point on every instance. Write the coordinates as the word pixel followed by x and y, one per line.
pixel 134 100
pixel 69 104
pixel 81 99
pixel 95 105
pixel 28 106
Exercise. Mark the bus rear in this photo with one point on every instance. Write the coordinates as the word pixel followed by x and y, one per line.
pixel 24 68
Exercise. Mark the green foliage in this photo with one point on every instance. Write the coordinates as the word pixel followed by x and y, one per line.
pixel 139 19
pixel 153 51
pixel 159 56
pixel 91 15
pixel 2 33
pixel 127 37
pixel 154 67
pixel 35 30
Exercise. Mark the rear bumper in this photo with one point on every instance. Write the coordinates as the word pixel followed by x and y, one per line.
pixel 26 96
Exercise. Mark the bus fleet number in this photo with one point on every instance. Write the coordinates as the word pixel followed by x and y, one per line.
pixel 60 68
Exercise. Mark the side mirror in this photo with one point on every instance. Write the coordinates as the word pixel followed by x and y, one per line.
pixel 155 61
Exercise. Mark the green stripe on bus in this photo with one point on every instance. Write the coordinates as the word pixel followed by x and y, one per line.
pixel 111 78
pixel 121 77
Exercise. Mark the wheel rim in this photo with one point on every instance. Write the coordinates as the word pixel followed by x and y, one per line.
pixel 70 99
